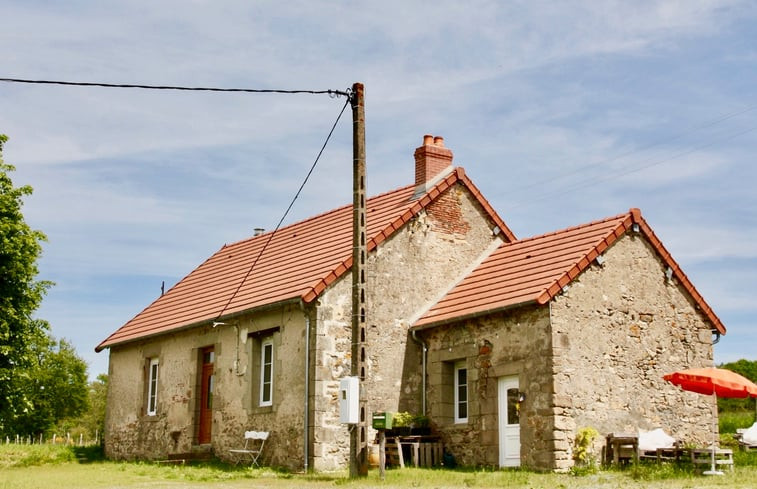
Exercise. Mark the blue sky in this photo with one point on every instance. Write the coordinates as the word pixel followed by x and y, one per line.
pixel 561 112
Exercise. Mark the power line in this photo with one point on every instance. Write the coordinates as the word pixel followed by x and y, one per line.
pixel 333 93
pixel 270 237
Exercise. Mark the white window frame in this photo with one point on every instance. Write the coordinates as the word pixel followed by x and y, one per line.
pixel 266 385
pixel 152 386
pixel 458 401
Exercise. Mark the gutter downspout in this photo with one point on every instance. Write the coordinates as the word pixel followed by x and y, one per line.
pixel 306 436
pixel 423 369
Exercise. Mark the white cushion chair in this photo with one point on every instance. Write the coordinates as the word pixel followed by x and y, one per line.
pixel 657 444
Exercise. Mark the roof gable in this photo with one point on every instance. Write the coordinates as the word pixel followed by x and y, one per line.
pixel 535 270
pixel 299 262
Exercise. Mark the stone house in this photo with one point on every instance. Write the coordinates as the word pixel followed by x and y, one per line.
pixel 509 346
pixel 564 331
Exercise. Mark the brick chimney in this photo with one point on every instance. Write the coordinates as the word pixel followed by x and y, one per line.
pixel 433 161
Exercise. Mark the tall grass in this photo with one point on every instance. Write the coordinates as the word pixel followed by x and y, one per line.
pixel 729 421
pixel 12 455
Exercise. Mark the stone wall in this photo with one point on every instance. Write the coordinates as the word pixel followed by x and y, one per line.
pixel 594 357
pixel 131 434
pixel 404 276
pixel 515 342
pixel 616 331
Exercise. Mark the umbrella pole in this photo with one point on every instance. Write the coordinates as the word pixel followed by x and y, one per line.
pixel 713 470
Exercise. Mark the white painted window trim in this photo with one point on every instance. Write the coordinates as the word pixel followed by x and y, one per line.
pixel 152 387
pixel 266 388
pixel 458 401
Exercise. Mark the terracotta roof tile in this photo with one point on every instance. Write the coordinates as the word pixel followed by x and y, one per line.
pixel 299 262
pixel 534 270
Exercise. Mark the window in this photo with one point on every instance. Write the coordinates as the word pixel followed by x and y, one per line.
pixel 152 387
pixel 266 372
pixel 461 393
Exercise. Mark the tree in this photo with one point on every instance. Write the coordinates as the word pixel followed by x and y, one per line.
pixel 91 423
pixel 55 386
pixel 747 368
pixel 20 295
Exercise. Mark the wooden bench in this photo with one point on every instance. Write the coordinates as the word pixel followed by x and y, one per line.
pixel 619 447
pixel 422 451
pixel 739 437
pixel 703 456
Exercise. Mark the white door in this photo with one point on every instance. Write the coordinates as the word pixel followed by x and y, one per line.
pixel 509 421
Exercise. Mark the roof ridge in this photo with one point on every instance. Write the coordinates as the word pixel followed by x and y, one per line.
pixel 623 215
pixel 412 207
pixel 315 216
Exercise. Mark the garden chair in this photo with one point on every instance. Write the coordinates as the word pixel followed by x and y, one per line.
pixel 254 441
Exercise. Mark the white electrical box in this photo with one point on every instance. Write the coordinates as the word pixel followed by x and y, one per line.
pixel 349 400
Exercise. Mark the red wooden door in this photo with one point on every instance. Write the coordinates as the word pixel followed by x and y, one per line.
pixel 206 396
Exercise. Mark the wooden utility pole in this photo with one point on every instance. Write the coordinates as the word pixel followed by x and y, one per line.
pixel 358 433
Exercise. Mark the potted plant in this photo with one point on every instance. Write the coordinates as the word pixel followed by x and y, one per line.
pixel 420 425
pixel 402 424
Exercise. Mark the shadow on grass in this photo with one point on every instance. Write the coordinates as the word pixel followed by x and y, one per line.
pixel 89 454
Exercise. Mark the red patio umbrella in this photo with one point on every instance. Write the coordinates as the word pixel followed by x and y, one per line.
pixel 713 381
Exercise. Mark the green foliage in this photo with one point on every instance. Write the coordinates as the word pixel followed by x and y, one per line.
pixel 20 295
pixel 730 421
pixel 405 419
pixel 747 368
pixel 55 385
pixel 401 420
pixel 582 447
pixel 743 458
pixel 12 455
pixel 92 421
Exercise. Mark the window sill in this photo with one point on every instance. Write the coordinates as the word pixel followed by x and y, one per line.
pixel 261 410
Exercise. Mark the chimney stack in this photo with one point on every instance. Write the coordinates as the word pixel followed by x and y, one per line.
pixel 432 162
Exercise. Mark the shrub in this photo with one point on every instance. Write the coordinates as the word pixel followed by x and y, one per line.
pixel 583 456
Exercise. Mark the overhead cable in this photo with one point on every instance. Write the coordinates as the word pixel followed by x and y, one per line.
pixel 270 236
pixel 334 93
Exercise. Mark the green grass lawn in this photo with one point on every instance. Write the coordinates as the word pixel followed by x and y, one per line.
pixel 61 467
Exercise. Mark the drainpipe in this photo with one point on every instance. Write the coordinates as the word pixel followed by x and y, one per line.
pixel 423 370
pixel 307 389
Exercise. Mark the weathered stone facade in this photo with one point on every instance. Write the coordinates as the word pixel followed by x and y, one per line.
pixel 592 357
pixel 510 343
pixel 616 331
pixel 406 273
pixel 132 434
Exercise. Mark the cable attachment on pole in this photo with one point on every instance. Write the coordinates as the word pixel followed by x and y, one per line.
pixel 339 93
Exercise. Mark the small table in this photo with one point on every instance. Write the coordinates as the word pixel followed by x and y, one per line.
pixel 621 442
pixel 670 453
pixel 703 456
pixel 424 450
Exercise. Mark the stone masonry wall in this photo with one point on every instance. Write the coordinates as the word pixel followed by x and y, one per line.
pixel 616 331
pixel 510 343
pixel 131 434
pixel 404 275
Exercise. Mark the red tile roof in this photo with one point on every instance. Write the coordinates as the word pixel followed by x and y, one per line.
pixel 299 262
pixel 535 270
